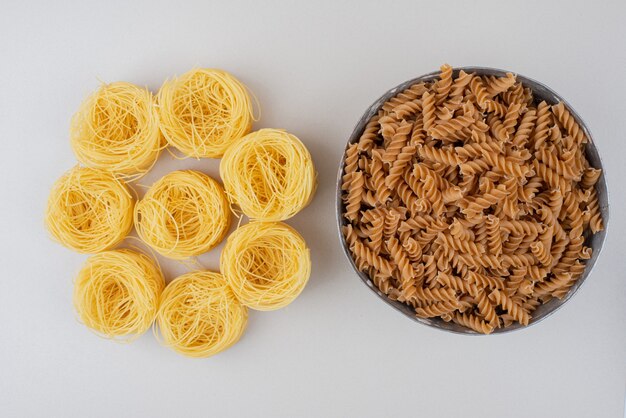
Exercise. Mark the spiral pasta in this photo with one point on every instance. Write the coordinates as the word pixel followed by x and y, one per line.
pixel 89 210
pixel 199 315
pixel 203 111
pixel 472 201
pixel 267 264
pixel 183 214
pixel 116 129
pixel 116 293
pixel 269 174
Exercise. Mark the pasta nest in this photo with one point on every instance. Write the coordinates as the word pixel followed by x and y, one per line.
pixel 199 315
pixel 116 293
pixel 184 214
pixel 267 264
pixel 269 174
pixel 203 111
pixel 89 210
pixel 117 129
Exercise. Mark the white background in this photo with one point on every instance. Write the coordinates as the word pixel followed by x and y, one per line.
pixel 315 67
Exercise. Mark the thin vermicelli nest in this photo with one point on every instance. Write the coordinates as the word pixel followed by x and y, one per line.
pixel 269 174
pixel 117 129
pixel 203 111
pixel 199 315
pixel 184 214
pixel 267 264
pixel 89 210
pixel 116 293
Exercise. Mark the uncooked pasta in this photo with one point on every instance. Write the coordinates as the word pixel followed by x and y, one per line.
pixel 117 129
pixel 116 293
pixel 470 200
pixel 118 134
pixel 269 174
pixel 267 264
pixel 183 214
pixel 89 210
pixel 203 111
pixel 199 315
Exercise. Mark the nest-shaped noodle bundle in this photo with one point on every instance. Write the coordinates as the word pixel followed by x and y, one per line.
pixel 117 129
pixel 203 111
pixel 267 264
pixel 116 293
pixel 269 174
pixel 199 315
pixel 184 214
pixel 89 210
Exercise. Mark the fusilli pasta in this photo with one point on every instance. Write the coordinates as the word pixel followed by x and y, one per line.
pixel 468 200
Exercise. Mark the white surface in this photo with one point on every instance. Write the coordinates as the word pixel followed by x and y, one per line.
pixel 337 351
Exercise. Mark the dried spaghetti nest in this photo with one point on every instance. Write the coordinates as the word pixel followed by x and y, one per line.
pixel 89 210
pixel 183 214
pixel 203 111
pixel 199 315
pixel 267 264
pixel 117 129
pixel 116 293
pixel 269 174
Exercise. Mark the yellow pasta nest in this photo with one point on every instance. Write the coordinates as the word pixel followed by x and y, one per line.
pixel 117 129
pixel 89 210
pixel 183 214
pixel 199 315
pixel 203 111
pixel 116 293
pixel 269 174
pixel 267 264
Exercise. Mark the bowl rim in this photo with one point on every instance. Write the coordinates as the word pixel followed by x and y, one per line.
pixel 591 150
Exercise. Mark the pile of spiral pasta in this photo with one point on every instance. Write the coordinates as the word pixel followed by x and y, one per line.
pixel 118 134
pixel 470 201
